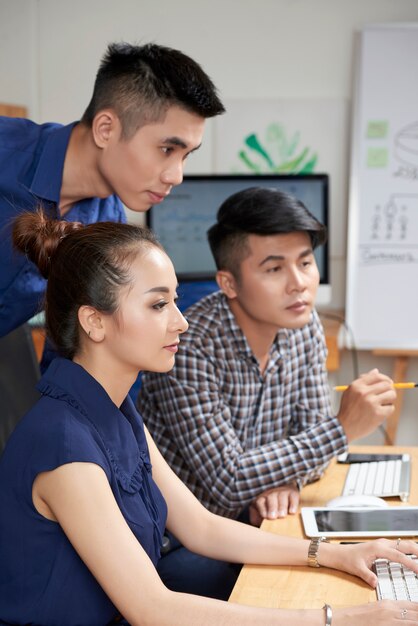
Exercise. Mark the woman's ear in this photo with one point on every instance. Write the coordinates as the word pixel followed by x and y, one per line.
pixel 91 322
pixel 227 283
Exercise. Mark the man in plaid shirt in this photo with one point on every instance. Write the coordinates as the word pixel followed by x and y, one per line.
pixel 244 418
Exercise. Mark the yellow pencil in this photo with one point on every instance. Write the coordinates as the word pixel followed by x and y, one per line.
pixel 395 385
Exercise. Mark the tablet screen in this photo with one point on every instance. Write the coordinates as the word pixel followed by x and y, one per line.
pixel 373 520
pixel 391 521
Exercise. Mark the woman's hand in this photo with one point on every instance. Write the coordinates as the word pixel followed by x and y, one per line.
pixel 358 559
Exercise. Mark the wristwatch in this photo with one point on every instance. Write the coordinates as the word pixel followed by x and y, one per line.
pixel 313 551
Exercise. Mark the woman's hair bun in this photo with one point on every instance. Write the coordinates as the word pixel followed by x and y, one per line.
pixel 38 237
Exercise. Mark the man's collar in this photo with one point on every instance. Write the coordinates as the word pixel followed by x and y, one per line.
pixel 47 180
pixel 280 343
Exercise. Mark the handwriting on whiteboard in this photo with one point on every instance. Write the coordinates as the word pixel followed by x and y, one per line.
pixel 371 255
pixel 395 221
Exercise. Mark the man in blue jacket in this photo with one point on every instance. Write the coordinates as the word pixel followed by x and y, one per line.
pixel 146 115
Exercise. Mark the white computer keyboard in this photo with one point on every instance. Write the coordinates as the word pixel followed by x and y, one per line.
pixel 379 478
pixel 395 582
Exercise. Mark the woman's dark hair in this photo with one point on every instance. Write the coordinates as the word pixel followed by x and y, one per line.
pixel 85 265
pixel 258 211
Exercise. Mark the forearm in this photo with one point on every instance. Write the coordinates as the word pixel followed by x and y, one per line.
pixel 228 540
pixel 178 609
pixel 248 473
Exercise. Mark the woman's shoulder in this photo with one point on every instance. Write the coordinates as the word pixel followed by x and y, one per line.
pixel 54 433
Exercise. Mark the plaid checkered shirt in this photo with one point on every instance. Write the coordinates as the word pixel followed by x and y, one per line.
pixel 229 431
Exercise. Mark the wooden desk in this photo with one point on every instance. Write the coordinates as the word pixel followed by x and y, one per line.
pixel 13 110
pixel 304 587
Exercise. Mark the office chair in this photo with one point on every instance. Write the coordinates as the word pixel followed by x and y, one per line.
pixel 19 373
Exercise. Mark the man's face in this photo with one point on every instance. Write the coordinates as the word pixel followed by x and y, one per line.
pixel 143 169
pixel 278 283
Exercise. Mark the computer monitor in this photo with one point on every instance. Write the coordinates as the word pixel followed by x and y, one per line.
pixel 181 222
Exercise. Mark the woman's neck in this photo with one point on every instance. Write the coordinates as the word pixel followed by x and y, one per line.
pixel 117 382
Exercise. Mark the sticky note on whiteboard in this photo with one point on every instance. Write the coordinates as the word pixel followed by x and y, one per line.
pixel 377 157
pixel 377 129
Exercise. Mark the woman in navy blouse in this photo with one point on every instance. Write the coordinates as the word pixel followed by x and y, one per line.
pixel 81 512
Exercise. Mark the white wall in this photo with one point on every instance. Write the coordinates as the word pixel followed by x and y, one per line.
pixel 50 50
pixel 18 43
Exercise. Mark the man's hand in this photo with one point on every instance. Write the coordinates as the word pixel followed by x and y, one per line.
pixel 274 503
pixel 367 402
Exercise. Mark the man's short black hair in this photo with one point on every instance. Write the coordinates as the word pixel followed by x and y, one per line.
pixel 141 82
pixel 258 211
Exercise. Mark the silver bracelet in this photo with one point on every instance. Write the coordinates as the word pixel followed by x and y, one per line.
pixel 328 614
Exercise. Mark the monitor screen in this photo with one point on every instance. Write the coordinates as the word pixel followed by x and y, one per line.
pixel 182 220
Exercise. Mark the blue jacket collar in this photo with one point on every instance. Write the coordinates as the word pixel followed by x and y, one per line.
pixel 47 180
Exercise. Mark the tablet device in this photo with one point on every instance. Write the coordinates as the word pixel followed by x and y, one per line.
pixel 350 457
pixel 392 521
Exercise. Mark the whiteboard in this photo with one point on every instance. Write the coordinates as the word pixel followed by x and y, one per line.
pixel 382 263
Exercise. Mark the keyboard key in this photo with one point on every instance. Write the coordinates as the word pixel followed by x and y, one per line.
pixel 380 477
pixel 397 474
pixel 389 478
pixel 350 483
pixel 371 478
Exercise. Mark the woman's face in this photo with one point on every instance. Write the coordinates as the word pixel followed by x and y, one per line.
pixel 144 333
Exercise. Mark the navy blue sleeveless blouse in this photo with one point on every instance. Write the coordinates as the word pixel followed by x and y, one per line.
pixel 43 581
